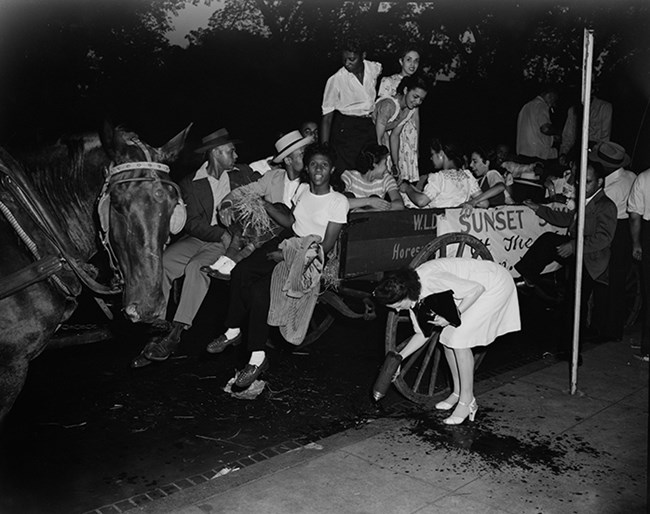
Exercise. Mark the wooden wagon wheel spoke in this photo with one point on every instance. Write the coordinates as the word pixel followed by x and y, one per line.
pixel 430 346
pixel 461 249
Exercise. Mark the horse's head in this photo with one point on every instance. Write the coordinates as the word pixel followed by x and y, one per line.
pixel 139 208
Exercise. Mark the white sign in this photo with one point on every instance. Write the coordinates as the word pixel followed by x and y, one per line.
pixel 507 231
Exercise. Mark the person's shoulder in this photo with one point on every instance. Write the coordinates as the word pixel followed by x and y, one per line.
pixel 374 67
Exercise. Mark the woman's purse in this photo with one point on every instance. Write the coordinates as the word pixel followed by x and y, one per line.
pixel 441 304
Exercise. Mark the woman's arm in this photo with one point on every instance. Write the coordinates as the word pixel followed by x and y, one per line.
pixel 373 202
pixel 394 144
pixel 470 298
pixel 396 202
pixel 482 200
pixel 384 110
pixel 417 197
pixel 325 127
pixel 331 235
pixel 280 214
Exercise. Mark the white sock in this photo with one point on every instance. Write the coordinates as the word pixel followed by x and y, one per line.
pixel 231 333
pixel 226 265
pixel 218 263
pixel 257 357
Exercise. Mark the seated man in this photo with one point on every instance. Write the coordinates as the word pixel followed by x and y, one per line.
pixel 275 189
pixel 201 243
pixel 600 225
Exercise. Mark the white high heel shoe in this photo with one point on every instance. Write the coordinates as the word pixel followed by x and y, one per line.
pixel 471 413
pixel 445 405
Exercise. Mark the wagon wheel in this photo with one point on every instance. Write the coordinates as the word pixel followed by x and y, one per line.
pixel 420 377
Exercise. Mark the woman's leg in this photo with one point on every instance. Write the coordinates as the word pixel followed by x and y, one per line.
pixel 465 360
pixel 466 406
pixel 453 367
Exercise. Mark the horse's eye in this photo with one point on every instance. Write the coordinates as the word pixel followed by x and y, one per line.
pixel 158 193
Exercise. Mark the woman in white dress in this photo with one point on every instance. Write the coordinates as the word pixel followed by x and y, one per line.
pixel 393 113
pixel 450 186
pixel 407 163
pixel 486 298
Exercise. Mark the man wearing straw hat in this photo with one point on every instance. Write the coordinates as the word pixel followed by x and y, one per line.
pixel 609 305
pixel 201 243
pixel 275 191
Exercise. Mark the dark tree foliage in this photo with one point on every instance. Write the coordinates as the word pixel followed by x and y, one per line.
pixel 260 66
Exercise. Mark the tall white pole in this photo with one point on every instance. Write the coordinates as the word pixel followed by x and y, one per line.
pixel 587 59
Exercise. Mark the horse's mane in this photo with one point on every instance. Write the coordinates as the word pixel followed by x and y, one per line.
pixel 68 176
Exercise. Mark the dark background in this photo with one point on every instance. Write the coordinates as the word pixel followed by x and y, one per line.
pixel 259 68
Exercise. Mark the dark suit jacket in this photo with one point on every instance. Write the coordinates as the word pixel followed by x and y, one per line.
pixel 600 226
pixel 199 202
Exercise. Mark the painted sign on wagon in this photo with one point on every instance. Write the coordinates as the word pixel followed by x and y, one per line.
pixel 507 231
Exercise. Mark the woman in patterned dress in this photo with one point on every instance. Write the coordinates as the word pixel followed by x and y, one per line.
pixel 407 163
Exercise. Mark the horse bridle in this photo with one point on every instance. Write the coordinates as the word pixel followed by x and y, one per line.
pixel 177 220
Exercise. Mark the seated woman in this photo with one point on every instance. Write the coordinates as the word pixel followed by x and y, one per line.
pixel 486 298
pixel 489 179
pixel 318 210
pixel 368 185
pixel 393 112
pixel 451 186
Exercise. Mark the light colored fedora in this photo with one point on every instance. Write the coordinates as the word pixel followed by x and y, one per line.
pixel 610 155
pixel 218 138
pixel 290 143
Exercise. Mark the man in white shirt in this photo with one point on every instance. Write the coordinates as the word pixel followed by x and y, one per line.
pixel 638 206
pixel 348 103
pixel 609 306
pixel 535 131
pixel 201 244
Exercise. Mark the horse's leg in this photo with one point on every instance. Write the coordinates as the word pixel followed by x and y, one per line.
pixel 13 371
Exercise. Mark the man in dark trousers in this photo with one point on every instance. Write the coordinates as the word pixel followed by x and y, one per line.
pixel 609 306
pixel 600 226
pixel 639 208
pixel 202 243
pixel 348 103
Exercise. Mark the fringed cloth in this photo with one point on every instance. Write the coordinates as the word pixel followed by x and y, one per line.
pixel 295 285
pixel 252 226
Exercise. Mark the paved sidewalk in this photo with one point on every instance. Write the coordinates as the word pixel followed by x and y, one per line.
pixel 533 448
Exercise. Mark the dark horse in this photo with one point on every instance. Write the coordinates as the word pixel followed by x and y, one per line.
pixel 55 228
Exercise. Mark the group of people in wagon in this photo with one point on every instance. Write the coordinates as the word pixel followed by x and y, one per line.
pixel 269 227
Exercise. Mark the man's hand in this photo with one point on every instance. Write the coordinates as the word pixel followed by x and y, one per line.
pixel 637 252
pixel 532 205
pixel 226 214
pixel 566 249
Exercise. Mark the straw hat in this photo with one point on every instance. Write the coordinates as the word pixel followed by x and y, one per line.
pixel 290 143
pixel 610 155
pixel 218 138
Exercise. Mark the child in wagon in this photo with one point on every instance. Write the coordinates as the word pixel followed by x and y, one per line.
pixel 370 186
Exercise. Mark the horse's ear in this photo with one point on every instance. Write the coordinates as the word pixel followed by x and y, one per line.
pixel 170 150
pixel 107 137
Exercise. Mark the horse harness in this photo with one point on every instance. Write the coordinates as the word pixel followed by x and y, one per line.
pixel 17 184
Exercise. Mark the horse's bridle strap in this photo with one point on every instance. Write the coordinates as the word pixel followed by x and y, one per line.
pixel 141 165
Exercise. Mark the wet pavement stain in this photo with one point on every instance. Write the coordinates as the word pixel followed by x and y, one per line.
pixel 495 450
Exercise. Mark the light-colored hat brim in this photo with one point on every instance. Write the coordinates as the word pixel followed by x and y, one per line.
pixel 296 145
